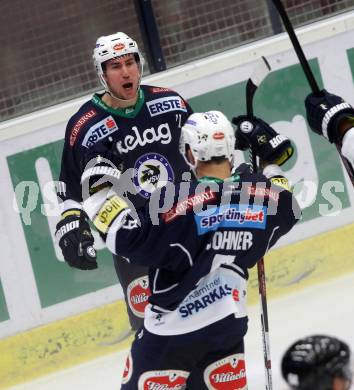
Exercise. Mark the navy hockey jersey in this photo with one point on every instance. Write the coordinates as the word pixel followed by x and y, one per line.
pixel 146 138
pixel 201 247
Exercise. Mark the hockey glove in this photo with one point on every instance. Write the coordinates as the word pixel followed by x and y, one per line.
pixel 266 142
pixel 325 111
pixel 76 241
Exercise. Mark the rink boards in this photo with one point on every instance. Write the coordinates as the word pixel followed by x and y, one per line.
pixel 52 316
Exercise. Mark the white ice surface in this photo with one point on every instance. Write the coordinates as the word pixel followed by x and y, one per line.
pixel 326 308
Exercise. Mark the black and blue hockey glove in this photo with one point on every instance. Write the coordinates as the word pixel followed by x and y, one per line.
pixel 268 145
pixel 76 240
pixel 325 111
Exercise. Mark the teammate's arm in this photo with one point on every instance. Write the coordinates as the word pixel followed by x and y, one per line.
pixel 273 149
pixel 73 232
pixel 329 115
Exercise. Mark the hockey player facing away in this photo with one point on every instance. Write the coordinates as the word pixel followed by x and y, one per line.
pixel 198 252
pixel 317 362
pixel 144 124
pixel 329 115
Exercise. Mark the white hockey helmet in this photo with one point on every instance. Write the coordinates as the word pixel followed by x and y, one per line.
pixel 114 46
pixel 208 135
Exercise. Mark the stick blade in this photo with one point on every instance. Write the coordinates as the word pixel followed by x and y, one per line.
pixel 260 72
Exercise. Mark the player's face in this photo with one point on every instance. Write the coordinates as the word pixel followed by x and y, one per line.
pixel 122 76
pixel 340 384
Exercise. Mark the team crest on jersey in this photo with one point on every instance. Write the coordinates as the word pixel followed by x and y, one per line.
pixel 227 373
pixel 138 293
pixel 99 131
pixel 152 171
pixel 166 380
pixel 166 104
pixel 128 369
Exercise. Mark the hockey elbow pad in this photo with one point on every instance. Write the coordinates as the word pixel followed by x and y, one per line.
pixel 99 173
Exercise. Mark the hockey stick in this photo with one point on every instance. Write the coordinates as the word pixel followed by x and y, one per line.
pixel 258 75
pixel 307 71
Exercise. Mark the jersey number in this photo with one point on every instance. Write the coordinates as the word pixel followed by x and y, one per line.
pixel 179 119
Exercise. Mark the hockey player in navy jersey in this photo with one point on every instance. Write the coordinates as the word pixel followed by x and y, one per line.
pixel 144 123
pixel 199 239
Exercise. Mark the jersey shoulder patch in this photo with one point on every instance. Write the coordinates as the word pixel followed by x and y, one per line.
pixel 159 90
pixel 99 130
pixel 86 113
pixel 161 100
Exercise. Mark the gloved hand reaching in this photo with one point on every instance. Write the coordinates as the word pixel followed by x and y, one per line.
pixel 73 231
pixel 326 113
pixel 268 145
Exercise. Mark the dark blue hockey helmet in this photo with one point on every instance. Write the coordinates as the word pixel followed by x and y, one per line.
pixel 313 362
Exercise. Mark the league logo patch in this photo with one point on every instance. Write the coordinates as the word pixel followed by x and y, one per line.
pixel 152 171
pixel 128 369
pixel 138 293
pixel 227 373
pixel 166 380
